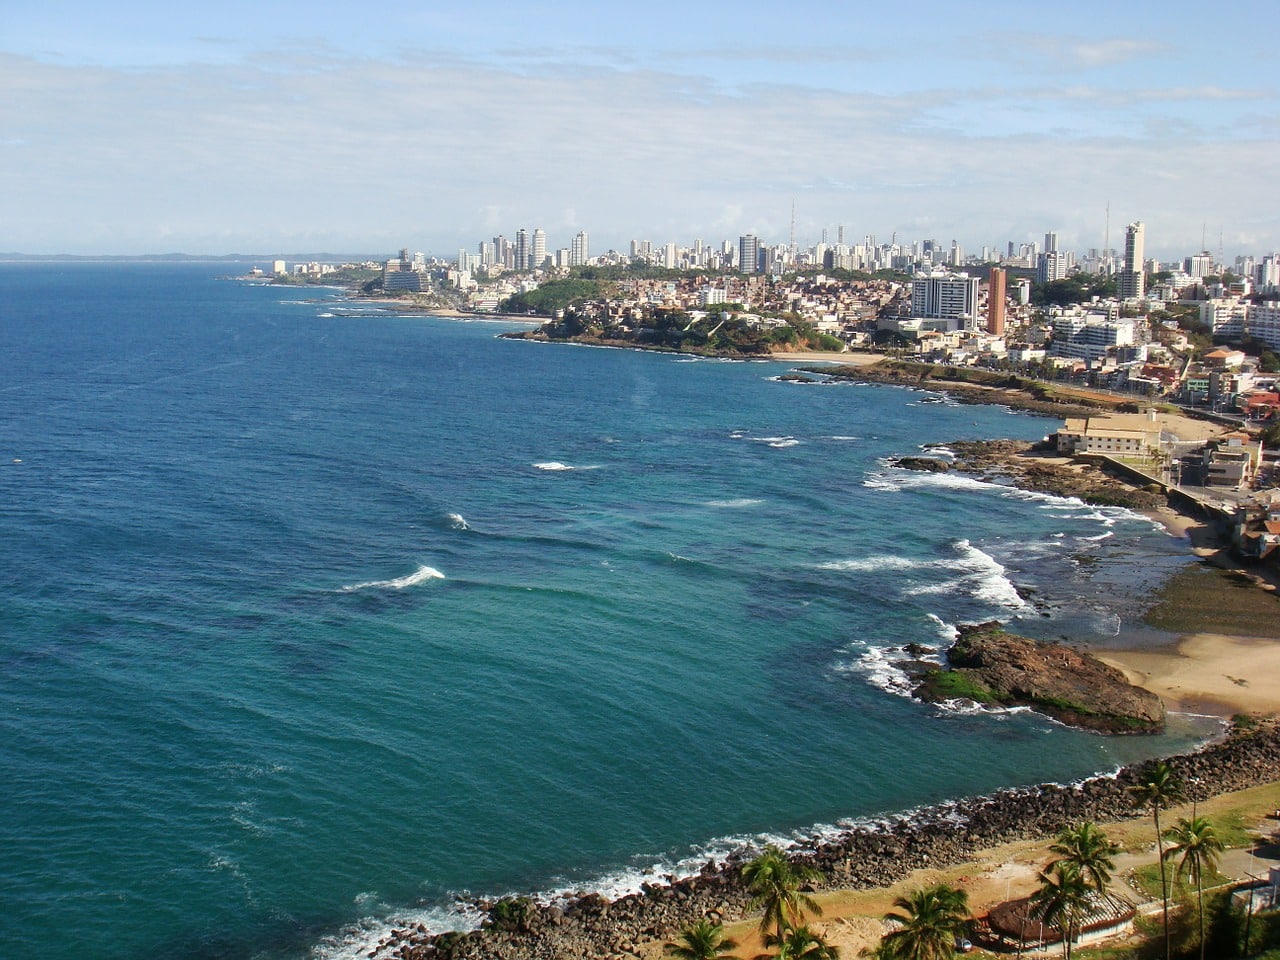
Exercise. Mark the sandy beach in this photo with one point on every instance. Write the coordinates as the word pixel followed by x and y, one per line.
pixel 830 356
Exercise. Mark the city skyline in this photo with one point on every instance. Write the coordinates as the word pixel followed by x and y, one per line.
pixel 148 129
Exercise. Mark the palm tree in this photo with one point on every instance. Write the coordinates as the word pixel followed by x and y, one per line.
pixel 799 943
pixel 1090 852
pixel 929 921
pixel 774 882
pixel 1061 900
pixel 1159 787
pixel 703 940
pixel 1196 847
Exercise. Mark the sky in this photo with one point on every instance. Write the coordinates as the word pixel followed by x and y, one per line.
pixel 287 127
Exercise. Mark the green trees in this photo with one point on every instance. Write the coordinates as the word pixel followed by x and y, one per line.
pixel 800 943
pixel 703 940
pixel 1196 847
pixel 1159 788
pixel 1087 849
pixel 929 921
pixel 1062 899
pixel 774 882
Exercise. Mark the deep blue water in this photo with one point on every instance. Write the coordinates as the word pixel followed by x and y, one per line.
pixel 314 618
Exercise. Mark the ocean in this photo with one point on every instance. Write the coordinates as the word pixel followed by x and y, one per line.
pixel 318 618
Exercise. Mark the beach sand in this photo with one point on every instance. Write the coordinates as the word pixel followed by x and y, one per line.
pixel 824 356
pixel 1209 673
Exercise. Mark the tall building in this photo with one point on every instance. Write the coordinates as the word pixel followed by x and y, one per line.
pixel 523 251
pixel 1052 265
pixel 749 253
pixel 1131 283
pixel 538 257
pixel 995 302
pixel 579 252
pixel 946 296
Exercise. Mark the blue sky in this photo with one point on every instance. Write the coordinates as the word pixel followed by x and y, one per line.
pixel 142 127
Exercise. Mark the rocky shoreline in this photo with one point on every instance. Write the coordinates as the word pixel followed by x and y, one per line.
pixel 967 386
pixel 874 855
pixel 1028 466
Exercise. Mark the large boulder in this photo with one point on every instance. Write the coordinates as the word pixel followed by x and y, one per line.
pixel 990 665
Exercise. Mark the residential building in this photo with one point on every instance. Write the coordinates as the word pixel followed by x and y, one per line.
pixel 1131 283
pixel 749 253
pixel 579 253
pixel 1264 323
pixel 1232 460
pixel 538 257
pixel 996 302
pixel 946 296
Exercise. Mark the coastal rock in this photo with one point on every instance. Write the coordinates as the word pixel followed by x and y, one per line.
pixel 1077 688
pixel 928 464
pixel 875 855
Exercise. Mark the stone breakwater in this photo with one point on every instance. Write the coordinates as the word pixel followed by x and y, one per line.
pixel 875 855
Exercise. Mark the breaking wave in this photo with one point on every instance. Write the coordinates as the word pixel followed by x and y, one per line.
pixel 555 466
pixel 980 574
pixel 421 575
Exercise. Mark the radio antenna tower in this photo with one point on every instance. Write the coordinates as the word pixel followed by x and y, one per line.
pixel 793 230
pixel 1106 241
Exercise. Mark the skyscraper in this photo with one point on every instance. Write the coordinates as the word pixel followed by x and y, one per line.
pixel 579 253
pixel 538 256
pixel 1131 284
pixel 523 253
pixel 995 302
pixel 749 253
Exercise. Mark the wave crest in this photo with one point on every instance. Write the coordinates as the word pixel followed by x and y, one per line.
pixel 421 575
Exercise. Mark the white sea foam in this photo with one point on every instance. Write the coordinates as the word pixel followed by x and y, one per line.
pixel 372 936
pixel 776 442
pixel 881 671
pixel 457 522
pixel 948 631
pixel 421 575
pixel 555 466
pixel 876 563
pixel 980 574
pixel 737 504
pixel 842 439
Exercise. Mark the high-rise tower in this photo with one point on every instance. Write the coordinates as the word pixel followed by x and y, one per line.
pixel 995 302
pixel 1131 284
pixel 749 253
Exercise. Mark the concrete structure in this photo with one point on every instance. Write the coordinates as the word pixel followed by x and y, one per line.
pixel 1232 460
pixel 1131 283
pixel 945 296
pixel 400 275
pixel 579 252
pixel 749 253
pixel 996 302
pixel 1104 435
pixel 538 256
pixel 1263 322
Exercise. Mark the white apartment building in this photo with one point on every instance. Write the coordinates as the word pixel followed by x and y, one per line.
pixel 946 296
pixel 1264 323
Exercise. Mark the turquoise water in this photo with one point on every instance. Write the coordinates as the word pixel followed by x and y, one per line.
pixel 314 618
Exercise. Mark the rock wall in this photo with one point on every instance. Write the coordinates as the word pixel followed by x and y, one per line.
pixel 874 856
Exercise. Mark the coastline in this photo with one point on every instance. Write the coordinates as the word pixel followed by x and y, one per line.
pixel 873 855
pixel 1189 674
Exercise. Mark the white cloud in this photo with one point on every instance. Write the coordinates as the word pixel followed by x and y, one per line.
pixel 302 151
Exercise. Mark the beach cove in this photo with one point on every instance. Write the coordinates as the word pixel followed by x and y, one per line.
pixel 323 619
